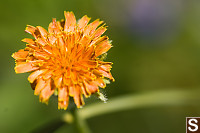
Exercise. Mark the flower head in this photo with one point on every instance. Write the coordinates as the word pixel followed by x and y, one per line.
pixel 66 59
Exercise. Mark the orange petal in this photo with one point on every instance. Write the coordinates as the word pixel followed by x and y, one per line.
pixel 63 94
pixel 40 85
pixel 92 27
pixel 19 62
pixel 70 22
pixel 21 54
pixel 85 41
pixel 89 53
pixel 61 45
pixel 52 40
pixel 99 32
pixel 91 87
pixel 41 42
pixel 73 44
pixel 106 74
pixel 41 55
pixel 38 62
pixel 106 67
pixel 30 29
pixel 67 81
pixel 100 82
pixel 89 63
pixel 34 75
pixel 102 47
pixel 32 46
pixel 76 68
pixel 98 40
pixel 74 77
pixel 47 75
pixel 83 22
pixel 46 92
pixel 63 105
pixel 56 51
pixel 47 49
pixel 54 27
pixel 58 81
pixel 84 91
pixel 25 67
pixel 97 73
pixel 78 98
pixel 71 90
pixel 30 57
pixel 68 73
pixel 78 36
pixel 80 50
pixel 70 41
pixel 29 41
pixel 89 76
pixel 33 31
pixel 80 66
pixel 43 32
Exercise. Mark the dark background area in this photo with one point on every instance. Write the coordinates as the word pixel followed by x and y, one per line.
pixel 156 47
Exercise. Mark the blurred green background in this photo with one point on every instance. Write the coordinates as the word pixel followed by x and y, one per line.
pixel 156 47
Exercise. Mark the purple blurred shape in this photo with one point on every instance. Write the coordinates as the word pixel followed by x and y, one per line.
pixel 154 19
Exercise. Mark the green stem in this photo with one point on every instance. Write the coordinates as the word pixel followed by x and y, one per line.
pixel 167 97
pixel 73 117
pixel 81 124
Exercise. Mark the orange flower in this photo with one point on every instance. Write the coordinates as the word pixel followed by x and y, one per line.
pixel 65 59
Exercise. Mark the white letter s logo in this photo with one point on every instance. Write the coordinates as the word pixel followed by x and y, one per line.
pixel 192 124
